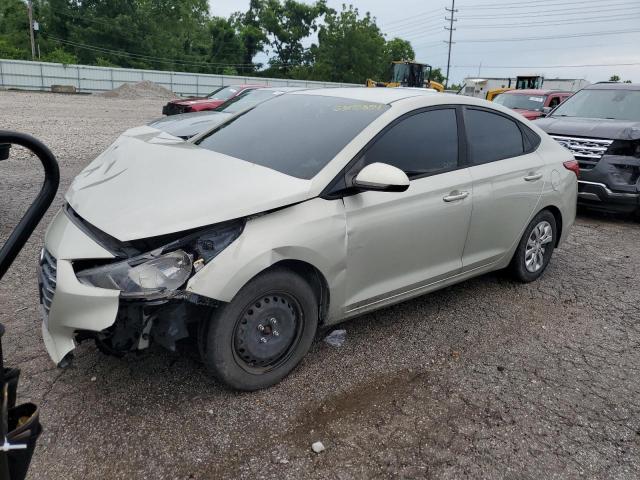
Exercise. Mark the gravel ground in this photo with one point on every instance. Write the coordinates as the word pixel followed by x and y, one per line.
pixel 486 379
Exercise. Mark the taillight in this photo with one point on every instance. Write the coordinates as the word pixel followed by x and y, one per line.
pixel 573 166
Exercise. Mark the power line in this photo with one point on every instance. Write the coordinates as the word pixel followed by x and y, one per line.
pixel 551 37
pixel 426 32
pixel 412 17
pixel 418 26
pixel 612 18
pixel 519 5
pixel 552 66
pixel 538 13
pixel 144 57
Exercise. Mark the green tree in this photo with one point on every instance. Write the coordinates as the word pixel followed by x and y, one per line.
pixel 350 48
pixel 253 38
pixel 285 24
pixel 614 78
pixel 60 55
pixel 437 75
pixel 399 49
pixel 14 30
pixel 227 47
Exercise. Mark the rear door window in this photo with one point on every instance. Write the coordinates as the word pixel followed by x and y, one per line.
pixel 422 144
pixel 491 136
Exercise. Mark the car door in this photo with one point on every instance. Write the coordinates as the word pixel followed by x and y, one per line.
pixel 401 241
pixel 508 177
pixel 553 100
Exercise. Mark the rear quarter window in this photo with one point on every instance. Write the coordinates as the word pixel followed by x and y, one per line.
pixel 491 136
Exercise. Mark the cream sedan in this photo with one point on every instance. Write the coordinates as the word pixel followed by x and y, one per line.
pixel 309 209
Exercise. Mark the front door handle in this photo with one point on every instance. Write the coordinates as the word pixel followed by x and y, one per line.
pixel 533 177
pixel 455 196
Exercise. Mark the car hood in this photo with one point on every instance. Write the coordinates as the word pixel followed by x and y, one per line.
pixel 200 101
pixel 591 127
pixel 150 183
pixel 187 125
pixel 528 114
pixel 188 99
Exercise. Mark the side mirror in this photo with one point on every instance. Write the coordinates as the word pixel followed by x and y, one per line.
pixel 381 177
pixel 545 111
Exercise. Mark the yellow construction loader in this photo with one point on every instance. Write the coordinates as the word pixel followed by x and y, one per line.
pixel 522 82
pixel 409 74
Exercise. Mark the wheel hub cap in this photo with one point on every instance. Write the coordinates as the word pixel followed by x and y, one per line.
pixel 541 235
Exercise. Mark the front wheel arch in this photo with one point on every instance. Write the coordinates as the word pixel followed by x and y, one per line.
pixel 313 277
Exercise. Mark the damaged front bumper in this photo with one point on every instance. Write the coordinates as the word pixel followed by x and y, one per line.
pixel 612 184
pixel 67 306
pixel 73 311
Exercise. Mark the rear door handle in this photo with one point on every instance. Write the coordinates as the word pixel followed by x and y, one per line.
pixel 455 196
pixel 533 178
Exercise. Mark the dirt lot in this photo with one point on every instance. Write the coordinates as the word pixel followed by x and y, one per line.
pixel 487 379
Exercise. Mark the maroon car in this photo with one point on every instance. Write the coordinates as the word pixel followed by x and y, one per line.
pixel 532 104
pixel 210 102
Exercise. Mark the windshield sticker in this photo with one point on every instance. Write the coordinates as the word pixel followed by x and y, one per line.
pixel 359 107
pixel 536 99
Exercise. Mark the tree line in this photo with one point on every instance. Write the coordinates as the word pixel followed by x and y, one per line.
pixel 298 40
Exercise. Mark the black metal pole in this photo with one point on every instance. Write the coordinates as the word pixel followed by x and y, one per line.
pixel 450 42
pixel 30 220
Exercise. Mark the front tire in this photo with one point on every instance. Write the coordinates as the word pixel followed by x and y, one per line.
pixel 535 249
pixel 263 333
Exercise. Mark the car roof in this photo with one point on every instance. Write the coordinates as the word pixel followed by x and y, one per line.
pixel 243 85
pixel 272 88
pixel 534 91
pixel 378 94
pixel 613 86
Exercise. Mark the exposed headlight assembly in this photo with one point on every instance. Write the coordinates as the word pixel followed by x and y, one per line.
pixel 142 276
pixel 165 269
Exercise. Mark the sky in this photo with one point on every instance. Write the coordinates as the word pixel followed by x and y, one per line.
pixel 583 37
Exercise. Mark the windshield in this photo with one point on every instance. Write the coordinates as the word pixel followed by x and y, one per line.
pixel 294 134
pixel 523 102
pixel 248 100
pixel 612 104
pixel 224 93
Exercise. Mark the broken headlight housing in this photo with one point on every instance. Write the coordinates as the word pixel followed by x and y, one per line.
pixel 166 268
pixel 145 275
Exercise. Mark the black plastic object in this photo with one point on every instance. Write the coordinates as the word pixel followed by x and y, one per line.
pixel 36 211
pixel 20 425
pixel 5 148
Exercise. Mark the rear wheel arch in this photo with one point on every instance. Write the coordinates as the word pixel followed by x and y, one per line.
pixel 555 211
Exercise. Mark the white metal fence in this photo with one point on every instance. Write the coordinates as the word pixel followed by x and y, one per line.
pixel 26 75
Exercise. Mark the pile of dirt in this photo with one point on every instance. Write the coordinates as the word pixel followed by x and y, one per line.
pixel 144 89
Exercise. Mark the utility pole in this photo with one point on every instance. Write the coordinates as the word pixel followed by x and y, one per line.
pixel 33 42
pixel 452 11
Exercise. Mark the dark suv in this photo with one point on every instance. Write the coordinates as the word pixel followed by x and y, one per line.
pixel 601 126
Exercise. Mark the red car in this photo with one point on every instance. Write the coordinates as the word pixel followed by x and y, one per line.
pixel 532 104
pixel 210 102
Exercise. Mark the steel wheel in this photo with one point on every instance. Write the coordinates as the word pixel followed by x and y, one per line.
pixel 267 332
pixel 541 235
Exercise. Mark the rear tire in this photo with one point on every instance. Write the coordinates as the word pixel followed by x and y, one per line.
pixel 535 249
pixel 263 333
